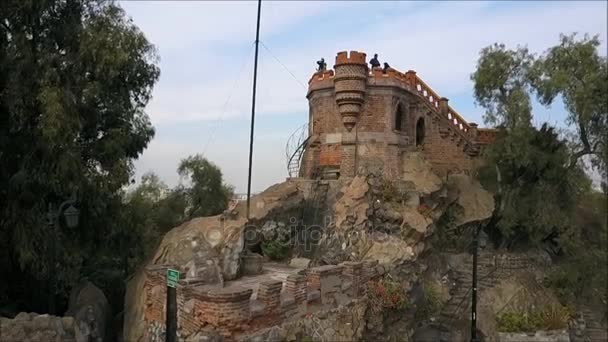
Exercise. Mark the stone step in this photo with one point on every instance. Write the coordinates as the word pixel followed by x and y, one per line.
pixel 597 334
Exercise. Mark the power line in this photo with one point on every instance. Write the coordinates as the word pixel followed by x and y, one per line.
pixel 230 94
pixel 283 65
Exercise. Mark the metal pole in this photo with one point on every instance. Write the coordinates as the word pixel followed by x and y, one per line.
pixel 474 290
pixel 255 78
pixel 171 315
pixel 52 269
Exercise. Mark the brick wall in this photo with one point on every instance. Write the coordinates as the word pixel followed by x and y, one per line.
pixel 231 311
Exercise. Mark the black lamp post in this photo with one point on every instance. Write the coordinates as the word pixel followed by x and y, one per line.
pixel 70 215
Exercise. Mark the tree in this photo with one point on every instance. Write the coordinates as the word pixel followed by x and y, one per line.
pixel 75 76
pixel 536 175
pixel 575 71
pixel 206 192
pixel 537 193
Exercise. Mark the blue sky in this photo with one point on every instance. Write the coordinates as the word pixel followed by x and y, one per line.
pixel 202 101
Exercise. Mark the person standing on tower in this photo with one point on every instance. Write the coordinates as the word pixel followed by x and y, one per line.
pixel 374 61
pixel 321 65
pixel 386 67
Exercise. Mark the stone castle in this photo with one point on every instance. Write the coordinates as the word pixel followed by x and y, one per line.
pixel 372 119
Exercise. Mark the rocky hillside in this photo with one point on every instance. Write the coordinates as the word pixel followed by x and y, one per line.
pixel 367 217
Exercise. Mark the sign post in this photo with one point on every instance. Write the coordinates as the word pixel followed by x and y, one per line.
pixel 171 318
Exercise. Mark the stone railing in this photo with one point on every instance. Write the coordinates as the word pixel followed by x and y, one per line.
pixel 235 309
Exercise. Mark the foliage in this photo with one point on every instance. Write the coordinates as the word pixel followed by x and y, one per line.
pixel 577 277
pixel 575 72
pixel 549 318
pixel 539 191
pixel 501 85
pixel 75 77
pixel 448 236
pixel 386 295
pixel 431 305
pixel 536 175
pixel 388 190
pixel 207 195
pixel 275 250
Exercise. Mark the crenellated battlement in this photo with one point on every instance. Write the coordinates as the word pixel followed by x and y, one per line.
pixel 323 75
pixel 237 309
pixel 355 57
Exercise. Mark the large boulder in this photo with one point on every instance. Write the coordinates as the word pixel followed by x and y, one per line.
pixel 91 312
pixel 476 202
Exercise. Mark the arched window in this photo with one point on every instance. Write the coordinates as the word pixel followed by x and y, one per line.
pixel 399 118
pixel 420 131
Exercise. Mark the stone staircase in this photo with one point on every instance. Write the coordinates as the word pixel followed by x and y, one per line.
pixel 456 312
pixel 594 331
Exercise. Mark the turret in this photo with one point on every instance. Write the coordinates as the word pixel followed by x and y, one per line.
pixel 350 81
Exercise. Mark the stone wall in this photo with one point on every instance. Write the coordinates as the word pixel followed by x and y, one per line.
pixel 233 312
pixel 37 328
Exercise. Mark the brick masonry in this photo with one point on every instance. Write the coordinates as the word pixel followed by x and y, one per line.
pixel 231 311
pixel 369 119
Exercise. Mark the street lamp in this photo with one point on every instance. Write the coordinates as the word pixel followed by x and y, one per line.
pixel 70 215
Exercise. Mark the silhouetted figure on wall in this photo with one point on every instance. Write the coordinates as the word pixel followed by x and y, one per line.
pixel 374 61
pixel 386 66
pixel 321 65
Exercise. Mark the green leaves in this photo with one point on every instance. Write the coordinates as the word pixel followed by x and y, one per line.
pixel 75 77
pixel 573 70
pixel 501 85
pixel 540 191
pixel 207 195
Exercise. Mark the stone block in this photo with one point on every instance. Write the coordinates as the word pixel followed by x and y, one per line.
pixel 301 263
pixel 251 264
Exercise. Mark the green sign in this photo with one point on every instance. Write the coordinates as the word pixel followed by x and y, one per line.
pixel 172 277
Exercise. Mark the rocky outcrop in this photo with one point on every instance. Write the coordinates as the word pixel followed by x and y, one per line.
pixel 390 220
pixel 37 328
pixel 345 323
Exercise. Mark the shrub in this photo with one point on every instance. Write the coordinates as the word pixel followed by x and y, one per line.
pixel 431 305
pixel 386 295
pixel 389 191
pixel 549 318
pixel 275 250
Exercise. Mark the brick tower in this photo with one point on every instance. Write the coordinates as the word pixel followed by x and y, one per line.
pixel 367 119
